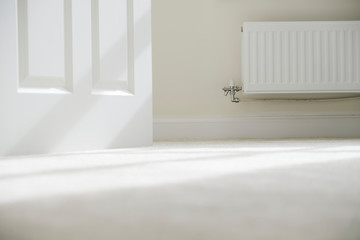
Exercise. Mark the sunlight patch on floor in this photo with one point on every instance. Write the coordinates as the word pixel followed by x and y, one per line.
pixel 25 178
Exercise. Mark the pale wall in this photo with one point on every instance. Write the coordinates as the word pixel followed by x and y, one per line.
pixel 196 50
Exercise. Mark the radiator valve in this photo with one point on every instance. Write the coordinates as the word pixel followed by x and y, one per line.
pixel 232 89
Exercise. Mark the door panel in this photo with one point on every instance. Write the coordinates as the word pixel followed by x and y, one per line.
pixel 74 75
pixel 44 45
pixel 112 32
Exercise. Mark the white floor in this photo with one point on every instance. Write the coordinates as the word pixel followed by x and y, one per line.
pixel 281 190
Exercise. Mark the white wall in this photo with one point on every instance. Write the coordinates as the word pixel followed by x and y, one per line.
pixel 196 50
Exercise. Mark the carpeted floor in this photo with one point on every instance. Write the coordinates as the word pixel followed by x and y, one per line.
pixel 220 190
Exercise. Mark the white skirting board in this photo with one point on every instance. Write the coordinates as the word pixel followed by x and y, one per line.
pixel 258 127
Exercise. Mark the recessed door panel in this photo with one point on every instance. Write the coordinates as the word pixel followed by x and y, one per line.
pixel 45 51
pixel 112 36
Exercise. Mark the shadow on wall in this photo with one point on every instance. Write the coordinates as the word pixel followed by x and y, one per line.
pixel 294 10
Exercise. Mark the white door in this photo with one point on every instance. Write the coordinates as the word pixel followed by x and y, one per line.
pixel 74 75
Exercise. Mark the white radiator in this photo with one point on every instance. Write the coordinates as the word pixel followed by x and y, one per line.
pixel 301 57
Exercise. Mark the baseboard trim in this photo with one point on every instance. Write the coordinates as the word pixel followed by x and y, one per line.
pixel 256 127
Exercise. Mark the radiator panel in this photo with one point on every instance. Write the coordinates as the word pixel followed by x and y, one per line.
pixel 301 57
